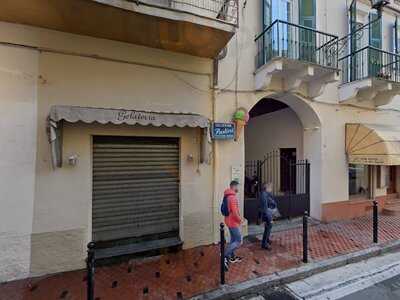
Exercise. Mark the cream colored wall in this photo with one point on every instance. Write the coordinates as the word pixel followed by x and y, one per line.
pixel 18 77
pixel 54 212
pixel 323 143
pixel 270 132
pixel 103 73
pixel 63 208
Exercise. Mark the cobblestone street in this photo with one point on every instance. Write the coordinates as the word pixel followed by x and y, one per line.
pixel 195 271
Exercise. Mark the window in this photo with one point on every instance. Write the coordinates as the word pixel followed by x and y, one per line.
pixel 276 10
pixel 359 181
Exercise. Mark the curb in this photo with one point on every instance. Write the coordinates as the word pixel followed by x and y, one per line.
pixel 228 292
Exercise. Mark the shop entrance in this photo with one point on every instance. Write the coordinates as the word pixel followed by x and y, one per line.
pixel 274 154
pixel 135 193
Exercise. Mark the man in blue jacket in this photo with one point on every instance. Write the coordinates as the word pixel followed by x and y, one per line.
pixel 267 205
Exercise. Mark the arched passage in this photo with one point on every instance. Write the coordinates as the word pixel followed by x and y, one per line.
pixel 284 131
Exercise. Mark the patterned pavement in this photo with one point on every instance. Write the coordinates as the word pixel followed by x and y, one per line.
pixel 195 271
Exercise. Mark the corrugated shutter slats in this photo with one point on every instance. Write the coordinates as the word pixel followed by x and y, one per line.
pixel 135 187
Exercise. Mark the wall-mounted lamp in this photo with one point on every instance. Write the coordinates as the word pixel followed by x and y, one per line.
pixel 73 160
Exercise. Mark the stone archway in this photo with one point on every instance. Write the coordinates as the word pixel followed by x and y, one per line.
pixel 311 140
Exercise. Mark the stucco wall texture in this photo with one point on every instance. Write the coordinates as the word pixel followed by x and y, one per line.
pixel 45 214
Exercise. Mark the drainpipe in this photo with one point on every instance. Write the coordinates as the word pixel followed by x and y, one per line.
pixel 221 55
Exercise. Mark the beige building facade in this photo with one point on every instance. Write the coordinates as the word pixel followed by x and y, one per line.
pixel 153 61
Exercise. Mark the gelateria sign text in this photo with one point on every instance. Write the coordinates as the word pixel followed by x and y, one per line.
pixel 125 115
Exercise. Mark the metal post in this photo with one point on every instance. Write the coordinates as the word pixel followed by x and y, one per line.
pixel 375 222
pixel 305 237
pixel 222 243
pixel 90 262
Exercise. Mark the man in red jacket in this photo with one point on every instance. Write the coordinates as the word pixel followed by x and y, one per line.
pixel 233 222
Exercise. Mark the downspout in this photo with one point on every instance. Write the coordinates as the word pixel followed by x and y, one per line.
pixel 221 56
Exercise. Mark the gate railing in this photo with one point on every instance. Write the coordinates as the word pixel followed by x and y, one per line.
pixel 297 42
pixel 224 10
pixel 290 181
pixel 370 62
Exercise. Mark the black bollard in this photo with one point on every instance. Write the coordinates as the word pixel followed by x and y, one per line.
pixel 90 262
pixel 222 244
pixel 305 237
pixel 375 222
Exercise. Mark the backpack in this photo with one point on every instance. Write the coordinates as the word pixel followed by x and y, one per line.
pixel 225 207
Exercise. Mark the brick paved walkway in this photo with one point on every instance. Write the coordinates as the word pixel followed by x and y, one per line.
pixel 195 271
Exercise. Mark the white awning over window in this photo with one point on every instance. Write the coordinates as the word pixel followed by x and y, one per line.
pixel 73 114
pixel 372 144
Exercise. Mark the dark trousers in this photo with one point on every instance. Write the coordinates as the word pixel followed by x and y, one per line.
pixel 267 233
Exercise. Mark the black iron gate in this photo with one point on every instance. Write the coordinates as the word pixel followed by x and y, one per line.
pixel 290 180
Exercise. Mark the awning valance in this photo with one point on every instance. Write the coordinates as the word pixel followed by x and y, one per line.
pixel 73 114
pixel 372 144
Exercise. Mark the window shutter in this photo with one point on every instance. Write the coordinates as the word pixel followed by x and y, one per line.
pixel 396 36
pixel 375 31
pixel 353 26
pixel 266 13
pixel 307 13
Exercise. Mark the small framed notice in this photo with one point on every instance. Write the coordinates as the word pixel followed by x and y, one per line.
pixel 236 173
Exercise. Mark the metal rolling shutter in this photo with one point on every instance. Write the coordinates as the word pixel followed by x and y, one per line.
pixel 135 187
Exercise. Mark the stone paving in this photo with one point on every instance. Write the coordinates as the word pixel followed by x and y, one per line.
pixel 195 271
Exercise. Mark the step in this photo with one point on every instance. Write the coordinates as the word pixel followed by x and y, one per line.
pixel 391 210
pixel 392 196
pixel 395 201
pixel 135 248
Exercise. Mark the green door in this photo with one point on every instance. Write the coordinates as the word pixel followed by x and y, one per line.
pixel 307 37
pixel 375 66
pixel 354 57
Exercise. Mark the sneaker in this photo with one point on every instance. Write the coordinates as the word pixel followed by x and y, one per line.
pixel 267 247
pixel 235 259
pixel 226 264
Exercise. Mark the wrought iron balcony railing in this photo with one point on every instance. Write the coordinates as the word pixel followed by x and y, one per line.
pixel 225 10
pixel 370 62
pixel 292 41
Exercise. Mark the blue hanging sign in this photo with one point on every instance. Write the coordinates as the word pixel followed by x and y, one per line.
pixel 223 131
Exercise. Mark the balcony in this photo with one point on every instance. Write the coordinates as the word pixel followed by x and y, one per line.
pixel 196 27
pixel 370 74
pixel 294 58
